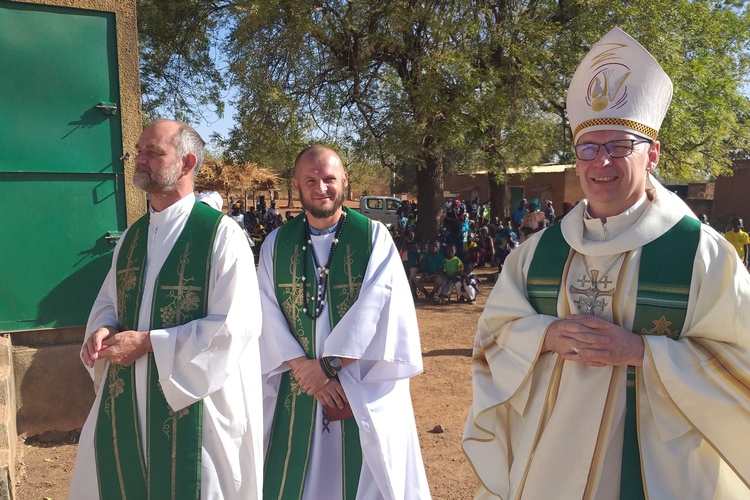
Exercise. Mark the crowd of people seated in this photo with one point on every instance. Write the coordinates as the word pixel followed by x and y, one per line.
pixel 437 270
pixel 444 268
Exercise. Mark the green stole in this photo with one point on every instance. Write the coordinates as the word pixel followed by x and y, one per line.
pixel 664 276
pixel 173 467
pixel 294 419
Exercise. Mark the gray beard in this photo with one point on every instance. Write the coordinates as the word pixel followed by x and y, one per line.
pixel 163 182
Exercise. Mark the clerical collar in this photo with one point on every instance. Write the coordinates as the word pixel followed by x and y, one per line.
pixel 627 212
pixel 595 230
pixel 321 232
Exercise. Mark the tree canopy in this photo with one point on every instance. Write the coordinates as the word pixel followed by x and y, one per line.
pixel 428 87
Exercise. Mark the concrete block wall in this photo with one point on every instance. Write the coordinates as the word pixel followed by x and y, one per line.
pixel 54 389
pixel 8 434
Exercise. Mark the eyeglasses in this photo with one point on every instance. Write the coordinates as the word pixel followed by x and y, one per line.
pixel 616 149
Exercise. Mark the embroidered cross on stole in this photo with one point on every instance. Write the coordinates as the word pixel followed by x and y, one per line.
pixel 664 276
pixel 172 468
pixel 294 419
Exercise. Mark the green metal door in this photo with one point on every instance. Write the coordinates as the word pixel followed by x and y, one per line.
pixel 61 184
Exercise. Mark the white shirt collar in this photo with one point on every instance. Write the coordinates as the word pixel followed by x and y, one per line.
pixel 173 211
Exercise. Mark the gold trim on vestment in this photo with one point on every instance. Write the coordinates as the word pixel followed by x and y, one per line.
pixel 127 279
pixel 183 295
pixel 692 425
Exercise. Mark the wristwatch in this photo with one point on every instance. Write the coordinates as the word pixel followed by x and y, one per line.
pixel 331 366
pixel 335 363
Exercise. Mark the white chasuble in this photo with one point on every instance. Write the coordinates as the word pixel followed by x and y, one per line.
pixel 541 427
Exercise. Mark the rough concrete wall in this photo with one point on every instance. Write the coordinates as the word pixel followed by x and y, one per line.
pixel 54 392
pixel 8 433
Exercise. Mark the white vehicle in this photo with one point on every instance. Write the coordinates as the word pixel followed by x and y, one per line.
pixel 381 208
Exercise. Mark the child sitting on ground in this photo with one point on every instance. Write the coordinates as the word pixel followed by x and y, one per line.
pixel 451 270
pixel 466 286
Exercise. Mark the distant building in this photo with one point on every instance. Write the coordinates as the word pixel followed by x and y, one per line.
pixel 558 183
pixel 731 196
pixel 727 197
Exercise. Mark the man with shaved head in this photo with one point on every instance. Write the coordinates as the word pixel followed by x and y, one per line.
pixel 339 345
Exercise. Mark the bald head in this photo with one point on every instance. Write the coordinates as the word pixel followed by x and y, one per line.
pixel 321 183
pixel 315 154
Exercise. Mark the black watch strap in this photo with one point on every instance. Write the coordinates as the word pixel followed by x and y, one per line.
pixel 331 365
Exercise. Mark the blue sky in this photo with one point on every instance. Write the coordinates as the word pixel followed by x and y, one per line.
pixel 214 124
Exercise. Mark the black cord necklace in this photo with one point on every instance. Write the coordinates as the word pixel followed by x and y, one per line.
pixel 322 282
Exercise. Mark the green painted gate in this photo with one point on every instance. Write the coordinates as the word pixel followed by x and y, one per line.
pixel 61 182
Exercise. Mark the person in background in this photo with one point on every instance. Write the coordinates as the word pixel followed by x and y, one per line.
pixel 467 286
pixel 549 212
pixel 452 267
pixel 533 222
pixel 739 240
pixel 517 216
pixel 614 350
pixel 567 207
pixel 237 214
pixel 431 267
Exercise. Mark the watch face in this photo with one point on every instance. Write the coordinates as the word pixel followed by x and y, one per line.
pixel 335 363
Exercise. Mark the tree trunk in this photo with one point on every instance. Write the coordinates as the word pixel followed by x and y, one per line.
pixel 497 197
pixel 430 197
pixel 289 194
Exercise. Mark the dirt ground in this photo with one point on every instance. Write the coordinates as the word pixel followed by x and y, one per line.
pixel 442 395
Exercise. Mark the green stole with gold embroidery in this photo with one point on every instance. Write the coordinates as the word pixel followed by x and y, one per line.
pixel 294 419
pixel 172 468
pixel 664 276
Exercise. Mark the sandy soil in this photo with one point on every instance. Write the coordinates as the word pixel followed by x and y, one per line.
pixel 442 395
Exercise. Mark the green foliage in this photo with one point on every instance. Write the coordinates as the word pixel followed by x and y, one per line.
pixel 426 87
pixel 178 45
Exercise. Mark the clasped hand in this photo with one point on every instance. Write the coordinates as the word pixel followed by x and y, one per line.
pixel 314 382
pixel 122 348
pixel 593 341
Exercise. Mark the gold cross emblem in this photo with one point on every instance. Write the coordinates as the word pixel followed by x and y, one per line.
pixel 349 290
pixel 183 294
pixel 126 279
pixel 293 303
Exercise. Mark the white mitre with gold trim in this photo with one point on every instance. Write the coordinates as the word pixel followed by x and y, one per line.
pixel 618 86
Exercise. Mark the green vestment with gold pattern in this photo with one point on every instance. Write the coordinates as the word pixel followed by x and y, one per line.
pixel 295 416
pixel 171 464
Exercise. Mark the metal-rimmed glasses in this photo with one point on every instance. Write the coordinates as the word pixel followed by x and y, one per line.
pixel 616 149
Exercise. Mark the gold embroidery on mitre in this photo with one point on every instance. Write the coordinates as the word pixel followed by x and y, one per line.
pixel 621 122
pixel 607 89
pixel 661 327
